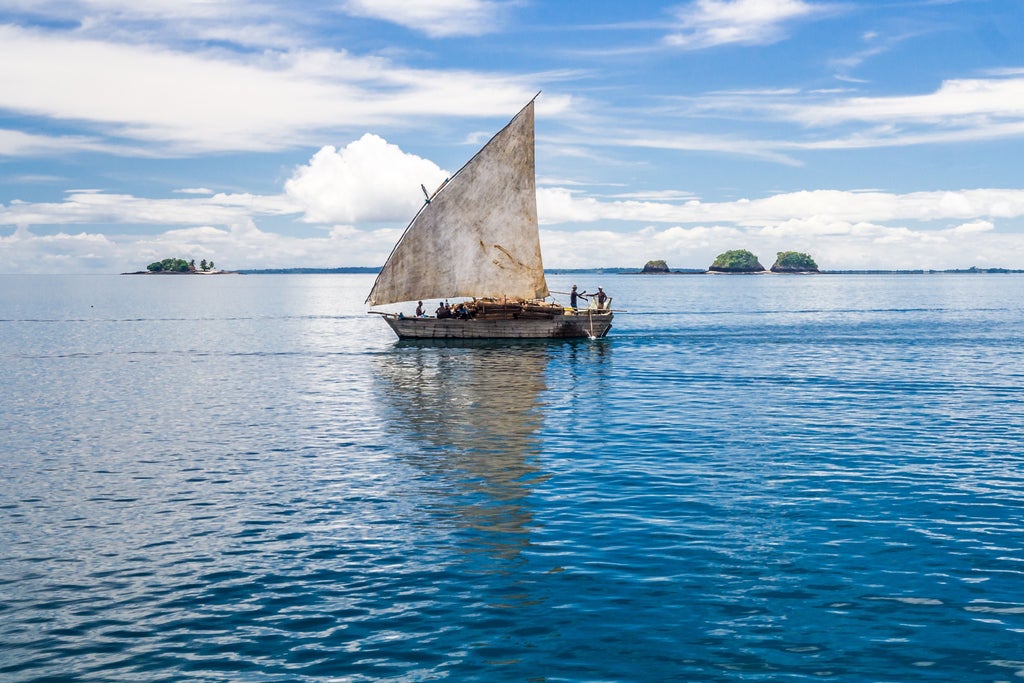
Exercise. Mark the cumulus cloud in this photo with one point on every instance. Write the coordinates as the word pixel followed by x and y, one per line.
pixel 841 229
pixel 707 23
pixel 25 252
pixel 238 246
pixel 847 236
pixel 834 245
pixel 369 180
pixel 348 192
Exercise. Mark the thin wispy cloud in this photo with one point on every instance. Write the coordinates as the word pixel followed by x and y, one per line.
pixel 958 111
pixel 201 102
pixel 435 18
pixel 16 143
pixel 709 23
pixel 96 207
pixel 874 45
pixel 954 101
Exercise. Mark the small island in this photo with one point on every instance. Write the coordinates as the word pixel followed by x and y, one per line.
pixel 655 267
pixel 179 266
pixel 736 261
pixel 794 262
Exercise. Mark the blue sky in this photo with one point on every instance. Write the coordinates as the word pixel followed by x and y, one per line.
pixel 272 134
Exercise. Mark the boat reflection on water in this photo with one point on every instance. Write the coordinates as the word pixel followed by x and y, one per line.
pixel 468 415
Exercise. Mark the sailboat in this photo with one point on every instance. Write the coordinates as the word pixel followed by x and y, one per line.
pixel 476 238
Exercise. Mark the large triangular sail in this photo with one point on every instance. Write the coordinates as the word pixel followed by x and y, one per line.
pixel 477 235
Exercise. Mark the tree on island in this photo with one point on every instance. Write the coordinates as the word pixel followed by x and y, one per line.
pixel 736 261
pixel 169 265
pixel 179 265
pixel 794 262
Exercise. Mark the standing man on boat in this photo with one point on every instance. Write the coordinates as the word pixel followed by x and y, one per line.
pixel 602 299
pixel 574 295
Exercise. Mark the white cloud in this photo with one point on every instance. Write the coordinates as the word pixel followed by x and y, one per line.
pixel 239 246
pixel 435 18
pixel 558 205
pixel 843 246
pixel 371 181
pixel 973 227
pixel 834 245
pixel 841 230
pixel 161 9
pixel 238 22
pixel 958 111
pixel 707 23
pixel 349 187
pixel 769 150
pixel 16 143
pixel 214 101
pixel 60 253
pixel 959 100
pixel 367 181
pixel 92 207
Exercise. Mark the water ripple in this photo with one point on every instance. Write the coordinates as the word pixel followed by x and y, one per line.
pixel 782 479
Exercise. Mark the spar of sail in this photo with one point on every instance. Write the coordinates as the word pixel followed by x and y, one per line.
pixel 476 236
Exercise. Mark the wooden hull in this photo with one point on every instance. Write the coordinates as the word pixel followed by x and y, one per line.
pixel 566 326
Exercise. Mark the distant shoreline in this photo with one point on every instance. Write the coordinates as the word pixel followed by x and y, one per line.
pixel 183 272
pixel 633 271
pixel 369 270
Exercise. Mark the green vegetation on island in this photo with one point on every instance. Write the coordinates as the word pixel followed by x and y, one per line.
pixel 180 265
pixel 169 265
pixel 736 261
pixel 794 262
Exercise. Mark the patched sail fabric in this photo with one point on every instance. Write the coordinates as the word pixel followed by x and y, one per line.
pixel 477 236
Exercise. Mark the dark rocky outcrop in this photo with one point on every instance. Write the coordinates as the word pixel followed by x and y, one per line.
pixel 656 267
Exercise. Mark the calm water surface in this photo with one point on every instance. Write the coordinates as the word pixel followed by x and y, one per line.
pixel 246 478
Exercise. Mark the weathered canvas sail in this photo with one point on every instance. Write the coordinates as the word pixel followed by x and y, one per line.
pixel 477 236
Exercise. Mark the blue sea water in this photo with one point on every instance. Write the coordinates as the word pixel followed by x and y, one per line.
pixel 752 478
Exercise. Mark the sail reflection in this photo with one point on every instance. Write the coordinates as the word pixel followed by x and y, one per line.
pixel 472 413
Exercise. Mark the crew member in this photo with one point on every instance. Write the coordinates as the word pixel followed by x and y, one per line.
pixel 574 295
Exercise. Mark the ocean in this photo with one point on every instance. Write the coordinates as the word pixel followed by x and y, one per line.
pixel 752 478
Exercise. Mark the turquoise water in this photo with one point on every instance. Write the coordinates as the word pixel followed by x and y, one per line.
pixel 246 478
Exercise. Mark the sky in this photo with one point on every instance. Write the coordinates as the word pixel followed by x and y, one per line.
pixel 263 134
